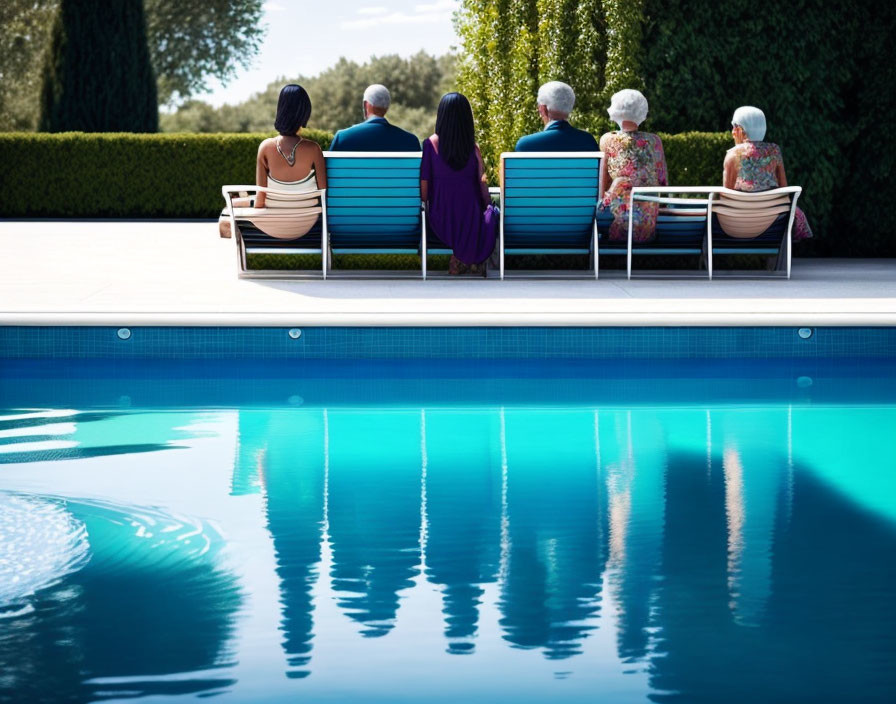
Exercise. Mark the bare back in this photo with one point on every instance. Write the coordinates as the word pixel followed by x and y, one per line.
pixel 275 163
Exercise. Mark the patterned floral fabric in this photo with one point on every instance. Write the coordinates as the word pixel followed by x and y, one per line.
pixel 757 164
pixel 633 159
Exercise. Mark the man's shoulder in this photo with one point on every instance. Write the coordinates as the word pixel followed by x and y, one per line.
pixel 556 139
pixel 408 137
pixel 530 142
pixel 581 135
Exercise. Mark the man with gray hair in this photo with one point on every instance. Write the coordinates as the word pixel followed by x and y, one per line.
pixel 555 101
pixel 375 134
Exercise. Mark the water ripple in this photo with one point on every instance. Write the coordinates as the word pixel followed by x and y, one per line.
pixel 40 543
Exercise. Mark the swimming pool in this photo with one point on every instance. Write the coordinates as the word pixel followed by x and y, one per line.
pixel 223 515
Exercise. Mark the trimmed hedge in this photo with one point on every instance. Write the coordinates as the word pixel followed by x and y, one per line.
pixel 125 175
pixel 80 175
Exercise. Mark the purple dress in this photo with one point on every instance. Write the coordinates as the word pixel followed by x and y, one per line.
pixel 456 212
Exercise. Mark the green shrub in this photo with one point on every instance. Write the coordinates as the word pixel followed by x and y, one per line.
pixel 124 175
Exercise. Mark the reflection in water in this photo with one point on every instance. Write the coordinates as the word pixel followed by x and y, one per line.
pixel 721 554
pixel 374 510
pixel 463 510
pixel 557 514
pixel 290 460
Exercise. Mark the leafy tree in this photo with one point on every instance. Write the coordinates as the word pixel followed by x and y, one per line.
pixel 190 41
pixel 416 84
pixel 513 46
pixel 820 71
pixel 194 40
pixel 98 76
pixel 24 33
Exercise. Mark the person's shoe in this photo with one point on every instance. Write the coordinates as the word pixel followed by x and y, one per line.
pixel 456 267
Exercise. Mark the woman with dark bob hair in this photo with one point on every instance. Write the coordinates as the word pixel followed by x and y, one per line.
pixel 287 162
pixel 453 184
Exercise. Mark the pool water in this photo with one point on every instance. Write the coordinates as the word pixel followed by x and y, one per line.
pixel 448 531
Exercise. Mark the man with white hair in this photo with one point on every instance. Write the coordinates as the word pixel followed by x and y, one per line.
pixel 375 134
pixel 555 102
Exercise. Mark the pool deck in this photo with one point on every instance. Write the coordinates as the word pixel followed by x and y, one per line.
pixel 181 273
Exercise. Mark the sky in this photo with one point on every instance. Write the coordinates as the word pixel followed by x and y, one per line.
pixel 305 37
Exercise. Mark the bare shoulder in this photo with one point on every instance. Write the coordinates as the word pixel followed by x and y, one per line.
pixel 310 146
pixel 266 145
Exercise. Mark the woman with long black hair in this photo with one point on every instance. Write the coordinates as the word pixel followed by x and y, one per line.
pixel 288 162
pixel 453 184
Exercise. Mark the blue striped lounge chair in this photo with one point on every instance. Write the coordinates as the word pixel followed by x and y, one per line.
pixel 373 204
pixel 548 204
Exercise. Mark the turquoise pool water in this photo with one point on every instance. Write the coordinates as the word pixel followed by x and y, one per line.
pixel 434 531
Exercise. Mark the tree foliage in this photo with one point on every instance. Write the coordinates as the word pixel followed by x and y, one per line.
pixel 24 34
pixel 194 40
pixel 98 75
pixel 820 71
pixel 190 41
pixel 513 46
pixel 415 83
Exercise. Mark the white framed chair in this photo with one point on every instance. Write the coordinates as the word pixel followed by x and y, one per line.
pixel 292 223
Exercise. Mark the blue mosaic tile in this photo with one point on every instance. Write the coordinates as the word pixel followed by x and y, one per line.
pixel 444 343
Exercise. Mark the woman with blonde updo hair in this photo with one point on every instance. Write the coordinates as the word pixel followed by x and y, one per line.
pixel 631 158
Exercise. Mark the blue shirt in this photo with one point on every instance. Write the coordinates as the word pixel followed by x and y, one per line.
pixel 374 135
pixel 558 136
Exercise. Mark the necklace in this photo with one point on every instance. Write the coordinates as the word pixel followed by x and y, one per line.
pixel 291 159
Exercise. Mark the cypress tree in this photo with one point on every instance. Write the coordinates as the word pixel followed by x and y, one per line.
pixel 98 76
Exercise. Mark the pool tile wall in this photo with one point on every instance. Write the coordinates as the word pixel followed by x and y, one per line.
pixel 89 342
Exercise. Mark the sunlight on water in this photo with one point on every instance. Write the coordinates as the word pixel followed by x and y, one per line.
pixel 40 543
pixel 455 551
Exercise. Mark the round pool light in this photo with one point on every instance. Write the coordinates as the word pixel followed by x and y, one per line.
pixel 805 333
pixel 295 333
pixel 124 333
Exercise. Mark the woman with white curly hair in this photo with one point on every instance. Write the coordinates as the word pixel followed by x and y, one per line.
pixel 631 158
pixel 755 165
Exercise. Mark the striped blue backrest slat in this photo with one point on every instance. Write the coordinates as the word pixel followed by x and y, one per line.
pixel 353 219
pixel 570 179
pixel 411 180
pixel 549 201
pixel 589 193
pixel 369 162
pixel 582 214
pixel 544 164
pixel 544 218
pixel 376 204
pixel 375 192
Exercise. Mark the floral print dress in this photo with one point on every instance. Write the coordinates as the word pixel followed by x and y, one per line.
pixel 757 163
pixel 633 159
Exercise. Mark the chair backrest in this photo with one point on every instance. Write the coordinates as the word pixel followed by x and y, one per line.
pixel 749 215
pixel 373 199
pixel 548 199
pixel 288 215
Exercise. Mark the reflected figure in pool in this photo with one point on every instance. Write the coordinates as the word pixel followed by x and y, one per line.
pixel 463 515
pixel 555 550
pixel 291 463
pixel 374 508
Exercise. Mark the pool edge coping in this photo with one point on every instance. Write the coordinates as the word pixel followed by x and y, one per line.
pixel 460 319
